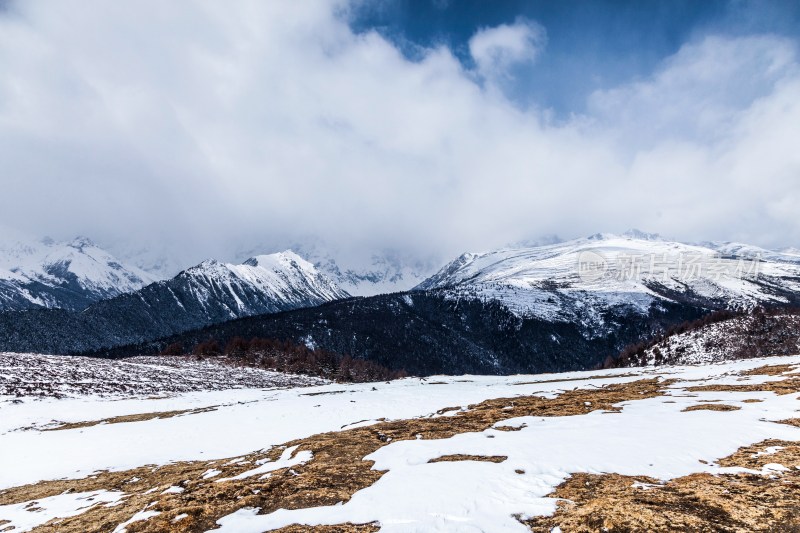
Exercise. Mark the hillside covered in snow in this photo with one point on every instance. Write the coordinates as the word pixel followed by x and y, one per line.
pixel 719 337
pixel 580 280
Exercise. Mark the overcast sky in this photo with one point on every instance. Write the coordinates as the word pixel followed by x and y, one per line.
pixel 207 127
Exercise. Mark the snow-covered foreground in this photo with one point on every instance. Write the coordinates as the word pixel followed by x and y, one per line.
pixel 649 436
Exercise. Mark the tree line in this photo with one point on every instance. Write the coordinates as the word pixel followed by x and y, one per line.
pixel 287 356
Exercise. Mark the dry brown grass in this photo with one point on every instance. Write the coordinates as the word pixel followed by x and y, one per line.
pixel 335 473
pixel 712 407
pixel 769 370
pixel 788 455
pixel 698 502
pixel 462 457
pixel 511 428
pixel 139 417
pixel 609 376
pixel 341 528
pixel 790 385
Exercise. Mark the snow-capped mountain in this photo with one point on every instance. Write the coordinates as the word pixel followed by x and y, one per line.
pixel 262 284
pixel 214 292
pixel 384 273
pixel 580 280
pixel 363 273
pixel 209 293
pixel 68 275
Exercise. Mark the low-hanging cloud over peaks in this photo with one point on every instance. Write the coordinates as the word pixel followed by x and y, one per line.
pixel 203 127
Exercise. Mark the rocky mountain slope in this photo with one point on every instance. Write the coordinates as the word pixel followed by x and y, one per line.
pixel 67 275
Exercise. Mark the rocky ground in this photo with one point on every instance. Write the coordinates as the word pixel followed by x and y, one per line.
pixel 35 375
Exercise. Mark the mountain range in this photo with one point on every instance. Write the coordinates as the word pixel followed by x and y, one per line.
pixel 543 308
pixel 522 308
pixel 208 293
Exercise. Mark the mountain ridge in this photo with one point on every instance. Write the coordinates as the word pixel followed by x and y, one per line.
pixel 558 306
pixel 561 281
pixel 207 293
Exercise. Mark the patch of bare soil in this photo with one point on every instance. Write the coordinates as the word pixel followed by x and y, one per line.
pixel 791 421
pixel 140 417
pixel 712 407
pixel 336 471
pixel 698 502
pixel 462 457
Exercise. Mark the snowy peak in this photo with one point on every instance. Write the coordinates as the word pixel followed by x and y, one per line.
pixel 69 275
pixel 78 242
pixel 632 233
pixel 368 274
pixel 281 261
pixel 93 268
pixel 581 279
pixel 208 293
pixel 642 235
pixel 261 284
pixel 450 273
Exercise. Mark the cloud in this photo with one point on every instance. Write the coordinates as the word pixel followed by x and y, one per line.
pixel 698 93
pixel 498 49
pixel 197 129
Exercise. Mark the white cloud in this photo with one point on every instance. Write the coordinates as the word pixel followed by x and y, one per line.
pixel 201 127
pixel 698 92
pixel 496 50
